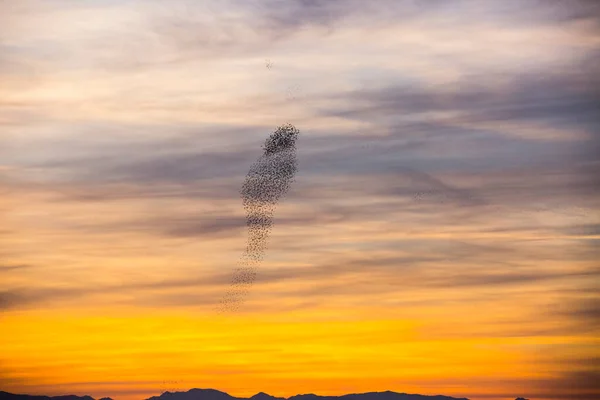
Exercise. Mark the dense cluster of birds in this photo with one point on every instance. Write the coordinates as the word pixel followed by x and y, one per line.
pixel 267 182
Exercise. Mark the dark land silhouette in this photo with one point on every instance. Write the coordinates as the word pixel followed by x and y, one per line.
pixel 212 394
pixel 12 396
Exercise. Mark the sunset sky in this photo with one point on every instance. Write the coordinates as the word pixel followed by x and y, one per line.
pixel 441 237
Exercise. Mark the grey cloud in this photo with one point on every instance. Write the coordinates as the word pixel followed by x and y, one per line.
pixel 17 298
pixel 577 384
pixel 288 17
pixel 189 167
pixel 208 227
pixel 86 192
pixel 585 311
pixel 506 278
pixel 217 224
pixel 9 299
pixel 527 96
pixel 13 267
pixel 414 146
pixel 187 31
pixel 399 272
pixel 577 381
pixel 578 10
pixel 563 101
pixel 184 167
pixel 206 170
pixel 303 210
pixel 416 278
pixel 583 229
pixel 421 180
pixel 316 204
pixel 32 297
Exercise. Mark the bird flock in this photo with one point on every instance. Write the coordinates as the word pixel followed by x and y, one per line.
pixel 267 181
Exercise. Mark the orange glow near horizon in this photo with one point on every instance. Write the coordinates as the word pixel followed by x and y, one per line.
pixel 102 353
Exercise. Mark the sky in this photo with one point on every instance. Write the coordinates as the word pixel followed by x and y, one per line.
pixel 441 235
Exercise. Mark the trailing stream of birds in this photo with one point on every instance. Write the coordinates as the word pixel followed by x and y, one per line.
pixel 266 183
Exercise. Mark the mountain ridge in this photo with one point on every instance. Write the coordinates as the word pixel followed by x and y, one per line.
pixel 212 394
pixel 11 396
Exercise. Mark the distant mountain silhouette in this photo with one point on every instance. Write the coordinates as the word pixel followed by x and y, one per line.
pixel 264 396
pixel 211 394
pixel 204 394
pixel 11 396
